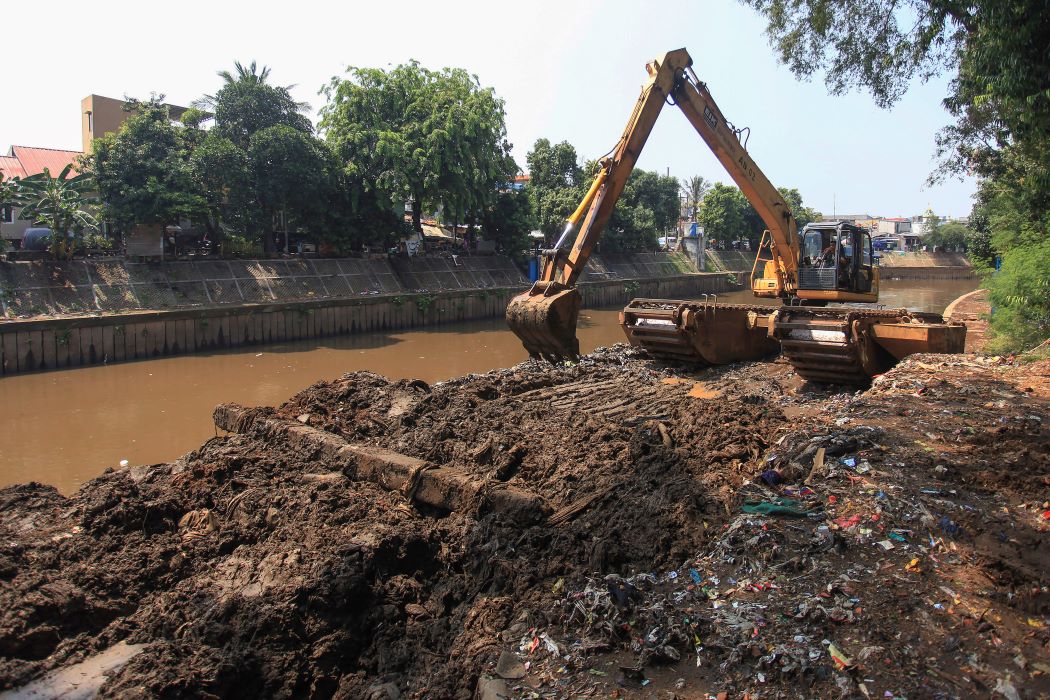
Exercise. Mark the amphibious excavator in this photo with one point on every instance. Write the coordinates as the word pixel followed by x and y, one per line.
pixel 824 263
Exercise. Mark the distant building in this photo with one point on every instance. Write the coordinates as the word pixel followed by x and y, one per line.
pixel 518 182
pixel 896 226
pixel 103 115
pixel 23 161
pixel 851 218
pixel 99 116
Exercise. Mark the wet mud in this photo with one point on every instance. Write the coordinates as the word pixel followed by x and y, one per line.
pixel 617 527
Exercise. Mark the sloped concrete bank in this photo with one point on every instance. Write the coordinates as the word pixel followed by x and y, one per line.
pixel 36 344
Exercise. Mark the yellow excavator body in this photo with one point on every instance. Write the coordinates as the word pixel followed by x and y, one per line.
pixel 827 262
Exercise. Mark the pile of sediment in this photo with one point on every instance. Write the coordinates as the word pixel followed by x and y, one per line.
pixel 615 527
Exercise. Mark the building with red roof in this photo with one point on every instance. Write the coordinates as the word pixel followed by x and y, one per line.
pixel 23 161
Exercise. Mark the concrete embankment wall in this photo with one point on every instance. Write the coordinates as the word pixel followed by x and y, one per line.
pixel 925 266
pixel 892 266
pixel 35 344
pixel 730 260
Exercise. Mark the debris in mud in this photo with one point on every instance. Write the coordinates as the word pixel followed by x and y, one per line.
pixel 599 529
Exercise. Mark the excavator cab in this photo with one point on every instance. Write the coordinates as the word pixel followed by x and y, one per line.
pixel 836 263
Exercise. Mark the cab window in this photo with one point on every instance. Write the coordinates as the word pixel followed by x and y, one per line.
pixel 812 247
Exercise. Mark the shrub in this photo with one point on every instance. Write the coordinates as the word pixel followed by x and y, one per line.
pixel 1020 296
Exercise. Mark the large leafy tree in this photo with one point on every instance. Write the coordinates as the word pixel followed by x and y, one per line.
pixel 435 137
pixel 648 206
pixel 723 215
pixel 142 171
pixel 291 177
pixel 222 173
pixel 994 50
pixel 60 203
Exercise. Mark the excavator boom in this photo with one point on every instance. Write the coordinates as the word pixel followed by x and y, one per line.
pixel 545 316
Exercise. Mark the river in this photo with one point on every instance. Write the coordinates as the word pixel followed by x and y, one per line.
pixel 65 427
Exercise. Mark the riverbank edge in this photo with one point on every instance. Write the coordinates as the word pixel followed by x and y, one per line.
pixel 34 345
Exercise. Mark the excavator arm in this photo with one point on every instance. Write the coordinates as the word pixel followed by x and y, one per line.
pixel 545 316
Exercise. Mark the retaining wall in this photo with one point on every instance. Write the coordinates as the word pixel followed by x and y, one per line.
pixel 892 266
pixel 730 260
pixel 57 343
pixel 925 266
pixel 114 285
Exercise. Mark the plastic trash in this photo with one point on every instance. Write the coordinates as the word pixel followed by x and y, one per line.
pixel 779 506
pixel 772 477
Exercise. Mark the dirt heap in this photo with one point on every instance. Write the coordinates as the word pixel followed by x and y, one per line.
pixel 616 526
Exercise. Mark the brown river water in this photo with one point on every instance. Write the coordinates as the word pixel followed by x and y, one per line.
pixel 67 426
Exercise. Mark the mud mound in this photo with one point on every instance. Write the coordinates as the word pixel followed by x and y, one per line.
pixel 251 567
pixel 616 527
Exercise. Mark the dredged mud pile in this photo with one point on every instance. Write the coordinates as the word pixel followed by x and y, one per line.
pixel 259 565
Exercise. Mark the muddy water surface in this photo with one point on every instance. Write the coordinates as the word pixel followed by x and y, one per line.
pixel 65 427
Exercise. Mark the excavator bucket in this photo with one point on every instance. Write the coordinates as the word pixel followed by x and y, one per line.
pixel 544 319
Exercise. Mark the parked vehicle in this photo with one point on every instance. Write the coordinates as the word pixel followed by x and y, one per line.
pixel 39 239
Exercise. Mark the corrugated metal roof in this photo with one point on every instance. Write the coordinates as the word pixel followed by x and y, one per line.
pixel 34 160
pixel 11 168
pixel 435 231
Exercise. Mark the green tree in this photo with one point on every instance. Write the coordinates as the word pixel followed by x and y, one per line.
pixel 931 223
pixel 995 52
pixel 221 172
pixel 59 203
pixel 553 166
pixel 693 191
pixel 648 206
pixel 952 236
pixel 8 197
pixel 246 104
pixel 435 137
pixel 723 214
pixel 290 172
pixel 142 171
pixel 657 193
pixel 556 185
pixel 508 222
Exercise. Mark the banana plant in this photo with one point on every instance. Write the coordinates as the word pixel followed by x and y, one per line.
pixel 58 203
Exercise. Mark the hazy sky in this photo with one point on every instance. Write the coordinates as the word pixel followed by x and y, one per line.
pixel 567 69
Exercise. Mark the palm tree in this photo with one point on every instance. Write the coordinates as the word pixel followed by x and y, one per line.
pixel 246 75
pixel 693 190
pixel 253 76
